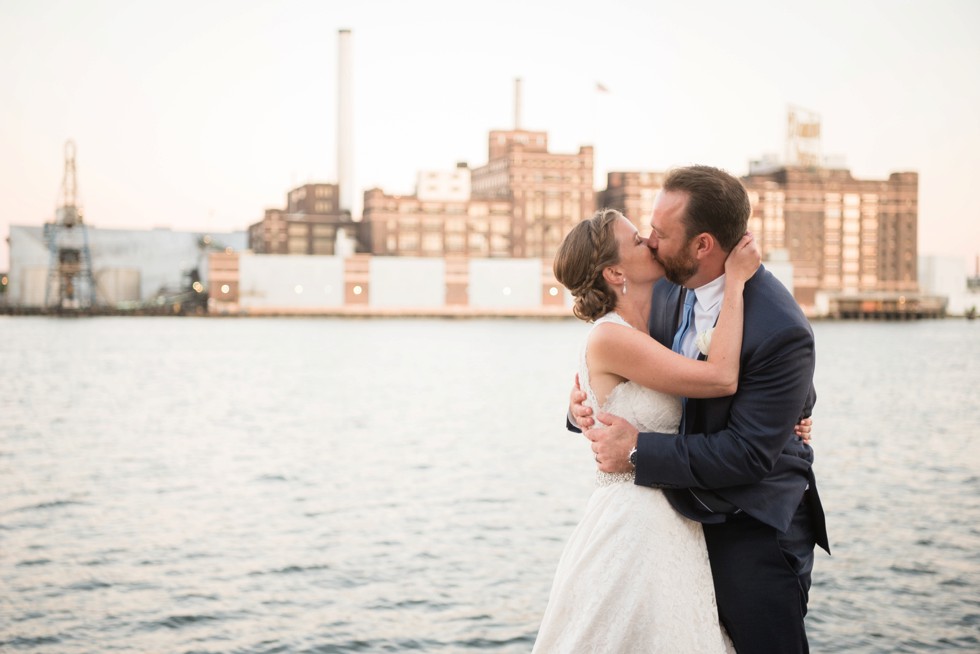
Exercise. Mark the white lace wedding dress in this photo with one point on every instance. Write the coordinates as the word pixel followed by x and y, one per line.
pixel 634 576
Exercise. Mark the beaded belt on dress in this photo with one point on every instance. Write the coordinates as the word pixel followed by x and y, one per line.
pixel 610 478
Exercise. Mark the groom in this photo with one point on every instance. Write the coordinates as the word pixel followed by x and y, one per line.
pixel 738 468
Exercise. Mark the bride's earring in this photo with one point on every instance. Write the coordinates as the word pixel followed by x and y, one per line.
pixel 624 286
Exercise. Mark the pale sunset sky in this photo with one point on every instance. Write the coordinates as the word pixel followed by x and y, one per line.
pixel 198 115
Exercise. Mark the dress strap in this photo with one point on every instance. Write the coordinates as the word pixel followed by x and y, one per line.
pixel 612 317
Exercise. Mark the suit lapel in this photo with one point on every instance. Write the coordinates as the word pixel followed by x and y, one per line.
pixel 665 311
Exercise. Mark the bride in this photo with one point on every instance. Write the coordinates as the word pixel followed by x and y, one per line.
pixel 634 576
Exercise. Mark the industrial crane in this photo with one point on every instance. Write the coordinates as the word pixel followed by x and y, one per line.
pixel 70 286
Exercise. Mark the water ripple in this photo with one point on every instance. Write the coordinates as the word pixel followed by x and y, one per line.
pixel 309 497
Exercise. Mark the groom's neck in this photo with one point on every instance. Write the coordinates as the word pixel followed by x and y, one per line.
pixel 707 272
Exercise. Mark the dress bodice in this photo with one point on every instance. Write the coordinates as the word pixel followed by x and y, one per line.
pixel 644 408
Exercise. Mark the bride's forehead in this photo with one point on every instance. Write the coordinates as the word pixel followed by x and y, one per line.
pixel 626 226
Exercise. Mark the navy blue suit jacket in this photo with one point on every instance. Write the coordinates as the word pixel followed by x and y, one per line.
pixel 743 447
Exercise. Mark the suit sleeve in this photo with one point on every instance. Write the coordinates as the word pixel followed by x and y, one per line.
pixel 775 389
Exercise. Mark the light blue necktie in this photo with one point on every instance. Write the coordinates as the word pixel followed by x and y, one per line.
pixel 686 321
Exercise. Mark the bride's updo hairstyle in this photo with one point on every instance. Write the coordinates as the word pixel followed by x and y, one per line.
pixel 589 248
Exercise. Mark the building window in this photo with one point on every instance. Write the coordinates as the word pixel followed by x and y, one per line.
pixel 478 244
pixel 455 242
pixel 432 243
pixel 408 241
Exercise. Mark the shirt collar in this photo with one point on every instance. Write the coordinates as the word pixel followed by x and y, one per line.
pixel 710 295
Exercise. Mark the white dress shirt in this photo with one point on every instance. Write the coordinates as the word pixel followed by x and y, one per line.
pixel 706 310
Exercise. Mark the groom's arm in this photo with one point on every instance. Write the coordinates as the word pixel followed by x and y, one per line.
pixel 775 389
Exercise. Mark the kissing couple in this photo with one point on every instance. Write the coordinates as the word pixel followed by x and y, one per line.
pixel 700 534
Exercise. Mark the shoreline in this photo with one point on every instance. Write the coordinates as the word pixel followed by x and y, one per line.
pixel 381 313
pixel 463 313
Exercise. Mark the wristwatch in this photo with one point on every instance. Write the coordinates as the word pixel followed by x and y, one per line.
pixel 632 458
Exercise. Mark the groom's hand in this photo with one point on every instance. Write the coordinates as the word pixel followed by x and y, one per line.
pixel 612 445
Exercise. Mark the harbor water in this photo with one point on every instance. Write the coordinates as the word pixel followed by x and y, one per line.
pixel 254 486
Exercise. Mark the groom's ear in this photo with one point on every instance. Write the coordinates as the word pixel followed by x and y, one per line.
pixel 704 245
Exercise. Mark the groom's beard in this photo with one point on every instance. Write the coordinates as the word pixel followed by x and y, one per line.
pixel 681 268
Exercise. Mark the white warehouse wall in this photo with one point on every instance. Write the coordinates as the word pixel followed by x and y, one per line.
pixel 946 276
pixel 289 281
pixel 407 282
pixel 505 283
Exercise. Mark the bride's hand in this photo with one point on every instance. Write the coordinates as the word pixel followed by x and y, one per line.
pixel 803 429
pixel 581 415
pixel 744 259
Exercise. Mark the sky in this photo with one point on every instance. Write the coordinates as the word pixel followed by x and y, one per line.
pixel 198 115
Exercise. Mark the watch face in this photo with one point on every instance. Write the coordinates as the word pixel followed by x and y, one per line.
pixel 633 457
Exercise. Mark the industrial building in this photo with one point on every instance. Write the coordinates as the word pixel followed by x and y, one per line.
pixel 846 246
pixel 251 284
pixel 549 192
pixel 632 193
pixel 474 240
pixel 521 203
pixel 128 266
pixel 847 240
pixel 311 223
pixel 67 265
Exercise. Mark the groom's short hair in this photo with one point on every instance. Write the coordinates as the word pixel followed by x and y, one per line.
pixel 717 203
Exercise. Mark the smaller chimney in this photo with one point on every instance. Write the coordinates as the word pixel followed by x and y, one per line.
pixel 345 124
pixel 517 104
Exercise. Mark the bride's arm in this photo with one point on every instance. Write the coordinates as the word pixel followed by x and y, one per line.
pixel 633 355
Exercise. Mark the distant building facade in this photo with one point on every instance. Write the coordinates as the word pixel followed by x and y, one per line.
pixel 452 186
pixel 520 204
pixel 631 193
pixel 947 276
pixel 311 223
pixel 841 240
pixel 844 236
pixel 409 226
pixel 128 265
pixel 549 192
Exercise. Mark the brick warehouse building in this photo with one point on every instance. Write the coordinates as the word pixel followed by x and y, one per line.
pixel 522 203
pixel 310 224
pixel 844 236
pixel 852 243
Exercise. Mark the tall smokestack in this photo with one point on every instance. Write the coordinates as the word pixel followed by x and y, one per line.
pixel 517 103
pixel 345 125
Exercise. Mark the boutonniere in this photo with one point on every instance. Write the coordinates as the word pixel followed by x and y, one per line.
pixel 703 340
